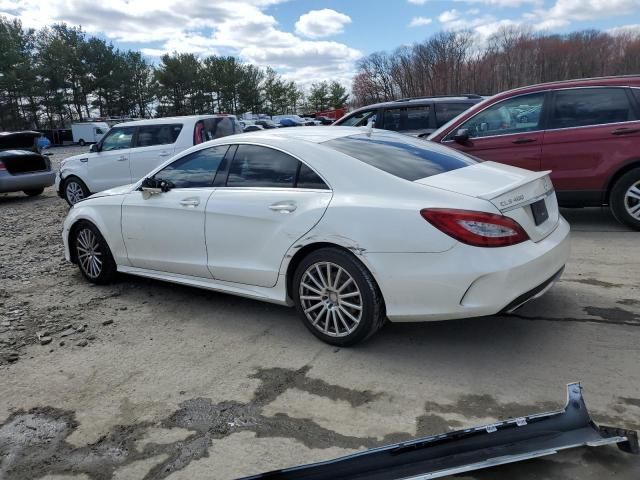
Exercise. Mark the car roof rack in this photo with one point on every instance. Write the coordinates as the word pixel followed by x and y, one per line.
pixel 463 95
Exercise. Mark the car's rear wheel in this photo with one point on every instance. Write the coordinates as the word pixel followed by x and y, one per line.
pixel 625 199
pixel 81 142
pixel 74 190
pixel 93 255
pixel 337 297
pixel 34 192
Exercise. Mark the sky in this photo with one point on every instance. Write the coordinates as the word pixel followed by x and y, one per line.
pixel 310 40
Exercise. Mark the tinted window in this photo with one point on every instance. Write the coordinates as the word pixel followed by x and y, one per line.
pixel 448 111
pixel 307 178
pixel 590 106
pixel 408 158
pixel 99 131
pixel 636 92
pixel 418 118
pixel 392 119
pixel 158 135
pixel 358 119
pixel 195 170
pixel 515 115
pixel 117 139
pixel 255 166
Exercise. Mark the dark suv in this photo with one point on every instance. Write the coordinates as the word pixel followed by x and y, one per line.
pixel 413 116
pixel 587 132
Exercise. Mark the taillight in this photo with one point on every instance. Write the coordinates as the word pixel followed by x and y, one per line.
pixel 2 167
pixel 480 229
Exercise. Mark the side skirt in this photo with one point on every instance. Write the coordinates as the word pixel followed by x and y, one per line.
pixel 272 295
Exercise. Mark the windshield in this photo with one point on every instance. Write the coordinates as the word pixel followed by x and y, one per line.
pixel 476 108
pixel 401 156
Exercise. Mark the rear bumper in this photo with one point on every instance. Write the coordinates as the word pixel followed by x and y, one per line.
pixel 468 281
pixel 26 181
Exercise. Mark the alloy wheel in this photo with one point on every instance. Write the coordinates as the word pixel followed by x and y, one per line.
pixel 89 254
pixel 74 192
pixel 632 200
pixel 330 299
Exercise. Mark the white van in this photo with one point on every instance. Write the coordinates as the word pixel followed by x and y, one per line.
pixel 88 132
pixel 132 149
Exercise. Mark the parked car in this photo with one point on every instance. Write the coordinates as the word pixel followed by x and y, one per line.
pixel 252 128
pixel 325 120
pixel 266 123
pixel 351 227
pixel 88 132
pixel 288 120
pixel 412 116
pixel 22 166
pixel 587 132
pixel 131 149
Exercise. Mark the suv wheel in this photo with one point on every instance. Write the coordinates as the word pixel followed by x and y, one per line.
pixel 92 252
pixel 625 199
pixel 337 297
pixel 74 190
pixel 81 142
pixel 34 192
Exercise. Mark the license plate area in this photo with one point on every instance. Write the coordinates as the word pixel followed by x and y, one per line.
pixel 539 211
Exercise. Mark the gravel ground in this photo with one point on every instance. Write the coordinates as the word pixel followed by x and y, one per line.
pixel 143 379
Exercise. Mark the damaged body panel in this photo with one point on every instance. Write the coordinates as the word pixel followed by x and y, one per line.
pixel 471 449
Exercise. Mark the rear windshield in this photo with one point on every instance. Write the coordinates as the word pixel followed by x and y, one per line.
pixel 408 158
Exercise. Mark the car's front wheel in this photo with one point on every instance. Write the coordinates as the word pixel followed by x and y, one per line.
pixel 93 254
pixel 74 190
pixel 337 297
pixel 625 199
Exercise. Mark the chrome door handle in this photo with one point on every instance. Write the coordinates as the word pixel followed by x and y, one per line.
pixel 122 158
pixel 190 202
pixel 283 207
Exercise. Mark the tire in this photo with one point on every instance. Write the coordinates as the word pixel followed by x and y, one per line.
pixel 34 192
pixel 74 190
pixel 92 253
pixel 624 200
pixel 350 305
pixel 81 142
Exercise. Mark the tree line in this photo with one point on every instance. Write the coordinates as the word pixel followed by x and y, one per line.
pixel 56 75
pixel 451 63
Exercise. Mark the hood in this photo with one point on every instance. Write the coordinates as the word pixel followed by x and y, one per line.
pixel 113 191
pixel 82 157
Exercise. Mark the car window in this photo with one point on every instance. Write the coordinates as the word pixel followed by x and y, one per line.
pixel 514 115
pixel 197 169
pixel 418 118
pixel 99 131
pixel 406 158
pixel 212 128
pixel 392 119
pixel 448 111
pixel 636 92
pixel 307 178
pixel 150 135
pixel 255 166
pixel 590 106
pixel 117 139
pixel 358 119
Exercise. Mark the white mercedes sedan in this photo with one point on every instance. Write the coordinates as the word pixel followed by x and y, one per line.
pixel 352 227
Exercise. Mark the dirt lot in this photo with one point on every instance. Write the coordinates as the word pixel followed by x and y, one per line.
pixel 142 379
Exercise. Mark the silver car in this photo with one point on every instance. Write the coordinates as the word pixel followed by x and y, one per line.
pixel 22 167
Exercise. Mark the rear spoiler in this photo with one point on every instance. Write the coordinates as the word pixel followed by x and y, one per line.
pixel 462 451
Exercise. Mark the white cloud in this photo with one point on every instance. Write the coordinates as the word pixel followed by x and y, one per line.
pixel 448 16
pixel 321 23
pixel 625 29
pixel 566 12
pixel 417 2
pixel 504 3
pixel 419 21
pixel 239 27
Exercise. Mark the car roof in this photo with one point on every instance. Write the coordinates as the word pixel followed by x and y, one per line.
pixel 424 100
pixel 317 134
pixel 164 120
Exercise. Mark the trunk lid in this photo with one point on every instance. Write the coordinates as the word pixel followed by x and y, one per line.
pixel 525 196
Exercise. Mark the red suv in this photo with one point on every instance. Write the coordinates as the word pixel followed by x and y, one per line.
pixel 587 132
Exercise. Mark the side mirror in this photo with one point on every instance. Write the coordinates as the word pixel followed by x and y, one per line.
pixel 153 186
pixel 462 135
pixel 94 148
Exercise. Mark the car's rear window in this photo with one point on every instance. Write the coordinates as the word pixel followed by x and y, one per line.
pixel 408 158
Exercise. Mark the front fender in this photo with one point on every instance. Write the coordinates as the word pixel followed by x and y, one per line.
pixel 105 214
